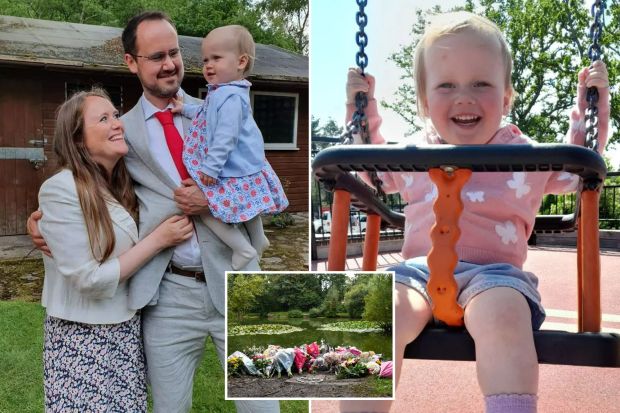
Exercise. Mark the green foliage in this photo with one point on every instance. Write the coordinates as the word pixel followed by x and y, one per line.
pixel 282 220
pixel 382 386
pixel 268 23
pixel 21 340
pixel 379 301
pixel 284 290
pixel 329 308
pixel 354 300
pixel 314 312
pixel 354 371
pixel 549 43
pixel 295 314
pixel 291 17
pixel 243 291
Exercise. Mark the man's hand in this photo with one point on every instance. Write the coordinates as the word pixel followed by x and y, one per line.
pixel 190 199
pixel 32 225
pixel 206 179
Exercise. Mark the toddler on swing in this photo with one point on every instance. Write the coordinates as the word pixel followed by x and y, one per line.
pixel 463 83
pixel 224 151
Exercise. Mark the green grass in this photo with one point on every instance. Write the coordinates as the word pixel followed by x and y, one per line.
pixel 21 371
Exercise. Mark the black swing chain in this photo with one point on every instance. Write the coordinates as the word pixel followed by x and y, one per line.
pixel 594 53
pixel 359 122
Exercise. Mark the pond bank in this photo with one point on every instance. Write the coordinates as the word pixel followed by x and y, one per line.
pixel 308 385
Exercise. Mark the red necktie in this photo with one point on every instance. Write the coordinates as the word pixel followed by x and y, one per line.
pixel 173 140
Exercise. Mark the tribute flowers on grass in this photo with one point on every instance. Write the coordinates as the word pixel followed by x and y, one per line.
pixel 345 362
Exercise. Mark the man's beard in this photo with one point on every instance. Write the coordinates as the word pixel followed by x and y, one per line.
pixel 166 92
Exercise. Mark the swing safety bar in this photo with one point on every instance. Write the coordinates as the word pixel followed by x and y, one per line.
pixel 332 167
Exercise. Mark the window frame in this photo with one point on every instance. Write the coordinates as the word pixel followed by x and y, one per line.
pixel 292 146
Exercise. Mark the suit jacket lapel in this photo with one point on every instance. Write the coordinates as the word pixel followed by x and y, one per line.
pixel 138 139
pixel 121 217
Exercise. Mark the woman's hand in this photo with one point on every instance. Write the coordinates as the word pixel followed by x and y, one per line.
pixel 358 83
pixel 173 231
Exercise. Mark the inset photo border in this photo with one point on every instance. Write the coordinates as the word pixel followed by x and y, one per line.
pixel 309 335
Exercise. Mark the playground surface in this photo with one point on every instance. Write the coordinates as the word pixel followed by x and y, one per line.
pixel 429 386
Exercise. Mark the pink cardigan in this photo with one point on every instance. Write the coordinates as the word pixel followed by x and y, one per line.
pixel 499 207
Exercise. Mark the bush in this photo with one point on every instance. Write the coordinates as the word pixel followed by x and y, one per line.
pixel 354 299
pixel 314 312
pixel 295 314
pixel 282 220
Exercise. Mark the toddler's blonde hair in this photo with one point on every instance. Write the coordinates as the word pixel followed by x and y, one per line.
pixel 454 23
pixel 243 41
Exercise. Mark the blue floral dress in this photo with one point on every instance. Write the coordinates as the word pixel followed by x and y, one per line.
pixel 94 368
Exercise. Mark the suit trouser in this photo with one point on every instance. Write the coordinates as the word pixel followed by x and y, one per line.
pixel 175 332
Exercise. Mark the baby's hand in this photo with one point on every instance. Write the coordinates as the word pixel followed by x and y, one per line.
pixel 177 101
pixel 593 76
pixel 358 83
pixel 206 179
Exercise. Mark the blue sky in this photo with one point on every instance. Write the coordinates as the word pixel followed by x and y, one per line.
pixel 333 49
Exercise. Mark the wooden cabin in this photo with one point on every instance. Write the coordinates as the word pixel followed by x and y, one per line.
pixel 43 62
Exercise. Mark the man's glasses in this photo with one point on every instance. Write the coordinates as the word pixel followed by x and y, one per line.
pixel 159 57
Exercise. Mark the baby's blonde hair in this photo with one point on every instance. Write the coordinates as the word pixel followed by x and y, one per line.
pixel 455 23
pixel 244 43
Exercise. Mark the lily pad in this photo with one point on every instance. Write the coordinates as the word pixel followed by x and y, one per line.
pixel 353 326
pixel 239 330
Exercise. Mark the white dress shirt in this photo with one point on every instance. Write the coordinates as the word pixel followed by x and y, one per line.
pixel 186 254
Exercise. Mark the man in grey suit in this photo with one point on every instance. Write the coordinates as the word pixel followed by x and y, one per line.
pixel 181 290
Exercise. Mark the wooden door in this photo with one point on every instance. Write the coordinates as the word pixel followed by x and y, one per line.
pixel 21 126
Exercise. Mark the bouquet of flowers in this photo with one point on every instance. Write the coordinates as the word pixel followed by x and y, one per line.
pixel 262 364
pixel 234 366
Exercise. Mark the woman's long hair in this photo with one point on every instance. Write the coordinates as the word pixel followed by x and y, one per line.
pixel 94 185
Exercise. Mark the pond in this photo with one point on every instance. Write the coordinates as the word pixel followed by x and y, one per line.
pixel 376 342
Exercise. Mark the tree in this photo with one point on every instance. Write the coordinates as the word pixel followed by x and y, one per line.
pixel 243 290
pixel 378 306
pixel 191 18
pixel 354 299
pixel 294 291
pixel 549 43
pixel 330 305
pixel 288 16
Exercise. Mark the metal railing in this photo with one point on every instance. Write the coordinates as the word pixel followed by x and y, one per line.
pixel 609 210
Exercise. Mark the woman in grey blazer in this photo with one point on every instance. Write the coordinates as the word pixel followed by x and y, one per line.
pixel 93 356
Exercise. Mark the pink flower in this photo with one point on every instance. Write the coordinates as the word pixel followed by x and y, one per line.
pixel 300 359
pixel 313 349
pixel 354 351
pixel 386 369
